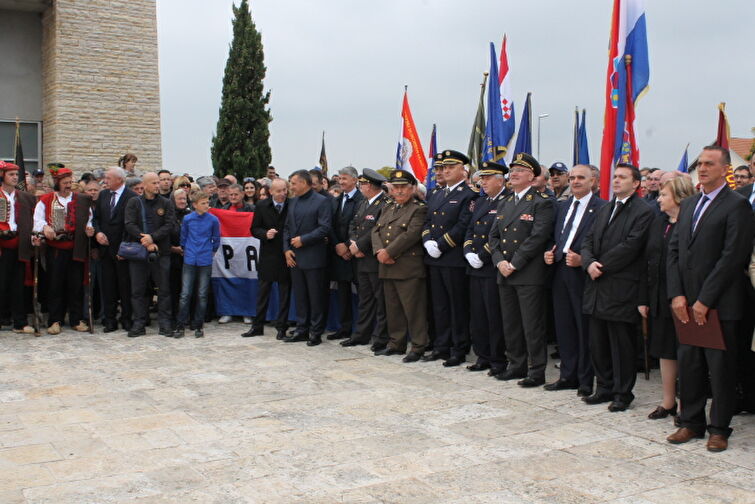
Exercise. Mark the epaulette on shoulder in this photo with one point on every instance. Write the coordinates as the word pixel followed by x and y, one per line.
pixel 544 195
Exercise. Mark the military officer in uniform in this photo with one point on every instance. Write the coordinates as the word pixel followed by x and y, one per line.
pixel 449 213
pixel 518 240
pixel 371 323
pixel 485 308
pixel 397 245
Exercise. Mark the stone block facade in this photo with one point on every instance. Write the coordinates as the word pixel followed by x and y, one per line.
pixel 101 91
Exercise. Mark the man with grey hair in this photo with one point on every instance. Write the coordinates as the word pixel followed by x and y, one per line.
pixel 342 269
pixel 109 224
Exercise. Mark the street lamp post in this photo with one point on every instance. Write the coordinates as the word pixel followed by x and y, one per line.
pixel 539 117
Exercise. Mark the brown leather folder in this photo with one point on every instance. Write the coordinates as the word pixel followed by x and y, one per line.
pixel 708 335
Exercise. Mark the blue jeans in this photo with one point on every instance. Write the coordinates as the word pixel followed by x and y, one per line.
pixel 189 275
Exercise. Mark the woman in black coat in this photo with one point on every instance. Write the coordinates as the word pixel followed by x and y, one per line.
pixel 654 301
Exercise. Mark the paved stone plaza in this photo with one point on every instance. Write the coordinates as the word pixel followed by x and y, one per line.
pixel 103 418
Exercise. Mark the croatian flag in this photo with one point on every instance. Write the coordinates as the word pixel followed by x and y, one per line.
pixel 627 78
pixel 412 156
pixel 507 98
pixel 234 268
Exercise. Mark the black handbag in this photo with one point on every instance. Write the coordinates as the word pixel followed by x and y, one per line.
pixel 135 251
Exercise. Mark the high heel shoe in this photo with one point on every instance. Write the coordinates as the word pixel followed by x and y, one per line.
pixel 661 412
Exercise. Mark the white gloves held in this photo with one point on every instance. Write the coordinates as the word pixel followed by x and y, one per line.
pixel 432 249
pixel 473 260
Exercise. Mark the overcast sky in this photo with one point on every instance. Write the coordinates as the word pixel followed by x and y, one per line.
pixel 341 66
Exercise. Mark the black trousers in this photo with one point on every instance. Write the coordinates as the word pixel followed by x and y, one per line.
pixel 704 369
pixel 522 309
pixel 116 287
pixel 371 321
pixel 572 326
pixel 613 358
pixel 141 272
pixel 486 323
pixel 263 299
pixel 451 310
pixel 310 302
pixel 12 287
pixel 65 287
pixel 345 309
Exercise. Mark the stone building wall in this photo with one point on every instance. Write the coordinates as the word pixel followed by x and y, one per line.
pixel 101 93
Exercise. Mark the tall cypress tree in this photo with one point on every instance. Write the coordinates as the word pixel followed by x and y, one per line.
pixel 240 145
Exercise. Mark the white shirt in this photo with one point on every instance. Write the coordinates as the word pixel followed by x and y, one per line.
pixel 372 200
pixel 518 196
pixel 40 212
pixel 118 192
pixel 584 201
pixel 623 201
pixel 347 197
pixel 12 210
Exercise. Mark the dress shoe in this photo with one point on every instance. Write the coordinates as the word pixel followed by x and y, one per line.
pixel 295 337
pixel 683 435
pixel 281 334
pixel 583 391
pixel 166 332
pixel 376 347
pixel 412 357
pixel 510 374
pixel 495 371
pixel 337 335
pixel 661 412
pixel 433 356
pixel 717 443
pixel 453 361
pixel 314 341
pixel 478 366
pixel 352 342
pixel 530 382
pixel 597 399
pixel 390 351
pixel 178 333
pixel 253 331
pixel 135 332
pixel 127 325
pixel 199 333
pixel 54 329
pixel 561 384
pixel 110 328
pixel 617 406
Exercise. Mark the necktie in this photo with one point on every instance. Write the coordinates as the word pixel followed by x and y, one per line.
pixel 446 191
pixel 112 201
pixel 278 208
pixel 698 211
pixel 516 199
pixel 565 233
pixel 345 200
pixel 616 209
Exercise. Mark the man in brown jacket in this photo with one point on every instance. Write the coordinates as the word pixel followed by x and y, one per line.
pixel 397 244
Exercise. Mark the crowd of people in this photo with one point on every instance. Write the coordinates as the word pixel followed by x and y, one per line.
pixel 501 262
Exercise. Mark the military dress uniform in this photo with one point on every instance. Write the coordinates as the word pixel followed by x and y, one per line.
pixel 399 232
pixel 485 309
pixel 448 215
pixel 520 236
pixel 371 322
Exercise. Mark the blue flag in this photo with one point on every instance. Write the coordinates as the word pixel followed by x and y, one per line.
pixel 684 163
pixel 524 137
pixel 583 153
pixel 496 141
pixel 430 181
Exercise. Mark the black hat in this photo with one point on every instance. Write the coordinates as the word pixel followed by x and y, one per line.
pixel 373 177
pixel 402 177
pixel 491 168
pixel 559 167
pixel 451 157
pixel 524 159
pixel 39 172
pixel 438 160
pixel 223 182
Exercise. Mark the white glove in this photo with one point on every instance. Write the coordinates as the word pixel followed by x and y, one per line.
pixel 432 249
pixel 473 260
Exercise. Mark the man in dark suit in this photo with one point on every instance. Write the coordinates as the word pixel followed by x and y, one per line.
pixel 485 307
pixel 305 232
pixel 371 324
pixel 708 252
pixel 746 357
pixel 518 239
pixel 343 265
pixel 109 225
pixel 267 227
pixel 448 214
pixel 612 255
pixel 574 218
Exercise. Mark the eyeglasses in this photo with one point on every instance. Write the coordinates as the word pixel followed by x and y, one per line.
pixel 249 179
pixel 184 185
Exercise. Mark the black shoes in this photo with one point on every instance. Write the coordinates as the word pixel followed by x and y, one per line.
pixel 478 366
pixel 453 361
pixel 376 347
pixel 661 412
pixel 296 337
pixel 352 342
pixel 510 374
pixel 337 335
pixel 133 333
pixel 281 334
pixel 178 333
pixel 199 333
pixel 561 384
pixel 530 382
pixel 412 357
pixel 314 341
pixel 433 356
pixel 110 328
pixel 617 406
pixel 597 399
pixel 584 391
pixel 254 331
pixel 390 351
pixel 168 333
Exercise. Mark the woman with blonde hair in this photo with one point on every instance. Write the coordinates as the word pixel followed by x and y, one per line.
pixel 653 303
pixel 182 182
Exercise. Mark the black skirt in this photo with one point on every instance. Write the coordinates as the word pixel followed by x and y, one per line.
pixel 663 342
